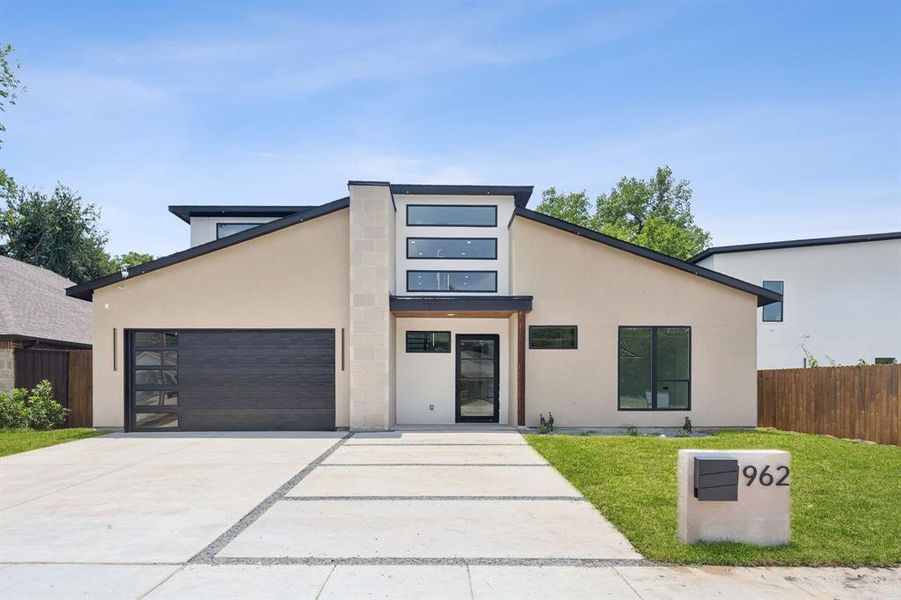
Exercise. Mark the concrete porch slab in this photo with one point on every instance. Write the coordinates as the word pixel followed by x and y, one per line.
pixel 410 480
pixel 547 583
pixel 216 582
pixel 397 581
pixel 65 581
pixel 513 454
pixel 505 436
pixel 703 583
pixel 431 529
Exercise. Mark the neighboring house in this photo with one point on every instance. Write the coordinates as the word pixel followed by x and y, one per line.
pixel 418 304
pixel 842 297
pixel 39 326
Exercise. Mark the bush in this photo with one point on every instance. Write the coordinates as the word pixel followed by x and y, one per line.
pixel 13 409
pixel 34 409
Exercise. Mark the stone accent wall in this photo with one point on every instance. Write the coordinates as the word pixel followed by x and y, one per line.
pixel 7 369
pixel 370 319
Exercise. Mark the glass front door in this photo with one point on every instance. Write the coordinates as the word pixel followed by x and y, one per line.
pixel 478 375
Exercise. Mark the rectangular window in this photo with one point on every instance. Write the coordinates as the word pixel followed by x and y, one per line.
pixel 452 248
pixel 428 341
pixel 443 215
pixel 654 368
pixel 154 379
pixel 452 281
pixel 885 360
pixel 227 229
pixel 773 312
pixel 553 337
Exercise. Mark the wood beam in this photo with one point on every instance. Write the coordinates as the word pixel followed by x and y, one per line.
pixel 520 368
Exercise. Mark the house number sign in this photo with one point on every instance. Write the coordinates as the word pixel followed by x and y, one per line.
pixel 764 477
pixel 735 496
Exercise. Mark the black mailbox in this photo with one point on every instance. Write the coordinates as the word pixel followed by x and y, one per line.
pixel 716 479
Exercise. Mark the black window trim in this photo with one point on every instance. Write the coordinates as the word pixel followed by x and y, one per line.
pixel 494 239
pixel 407 214
pixel 220 223
pixel 781 303
pixel 575 337
pixel 131 407
pixel 654 381
pixel 433 291
pixel 450 341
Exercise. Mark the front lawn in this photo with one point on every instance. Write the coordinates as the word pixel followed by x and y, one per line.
pixel 13 441
pixel 846 496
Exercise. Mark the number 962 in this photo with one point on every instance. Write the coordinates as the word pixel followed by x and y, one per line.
pixel 764 477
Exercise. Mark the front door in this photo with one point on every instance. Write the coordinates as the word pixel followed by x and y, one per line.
pixel 478 378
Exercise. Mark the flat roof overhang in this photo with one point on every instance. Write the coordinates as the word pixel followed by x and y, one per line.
pixel 458 306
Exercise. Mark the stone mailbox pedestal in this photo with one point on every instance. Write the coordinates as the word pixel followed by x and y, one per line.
pixel 734 496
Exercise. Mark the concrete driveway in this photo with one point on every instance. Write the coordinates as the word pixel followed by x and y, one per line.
pixel 456 514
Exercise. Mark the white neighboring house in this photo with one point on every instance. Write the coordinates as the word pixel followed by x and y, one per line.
pixel 842 297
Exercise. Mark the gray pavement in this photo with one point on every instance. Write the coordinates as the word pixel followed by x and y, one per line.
pixel 440 514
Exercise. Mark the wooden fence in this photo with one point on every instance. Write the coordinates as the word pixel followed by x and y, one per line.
pixel 861 402
pixel 70 373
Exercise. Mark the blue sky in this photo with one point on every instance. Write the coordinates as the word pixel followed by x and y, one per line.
pixel 785 117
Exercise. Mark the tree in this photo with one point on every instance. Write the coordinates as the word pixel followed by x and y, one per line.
pixel 654 213
pixel 132 259
pixel 59 232
pixel 9 83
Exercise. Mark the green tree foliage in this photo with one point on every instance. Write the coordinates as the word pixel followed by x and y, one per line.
pixel 132 259
pixel 9 83
pixel 58 232
pixel 654 213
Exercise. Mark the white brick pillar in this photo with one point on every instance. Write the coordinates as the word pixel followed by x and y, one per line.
pixel 371 215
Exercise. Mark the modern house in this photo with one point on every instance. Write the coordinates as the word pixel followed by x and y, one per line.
pixel 41 329
pixel 413 305
pixel 842 297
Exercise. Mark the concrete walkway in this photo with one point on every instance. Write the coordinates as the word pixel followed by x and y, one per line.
pixel 456 514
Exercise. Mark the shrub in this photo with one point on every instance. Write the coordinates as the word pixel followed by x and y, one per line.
pixel 44 411
pixel 13 409
pixel 35 408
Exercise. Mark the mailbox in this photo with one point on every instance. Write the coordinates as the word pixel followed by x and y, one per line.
pixel 716 479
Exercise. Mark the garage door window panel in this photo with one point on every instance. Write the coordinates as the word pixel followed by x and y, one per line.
pixel 154 378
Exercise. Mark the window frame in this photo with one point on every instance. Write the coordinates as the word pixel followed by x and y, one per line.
pixel 434 291
pixel 781 303
pixel 409 206
pixel 575 337
pixel 415 238
pixel 132 409
pixel 220 223
pixel 654 379
pixel 407 333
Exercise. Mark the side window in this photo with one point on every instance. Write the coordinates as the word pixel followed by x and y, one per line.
pixel 773 312
pixel 553 337
pixel 654 368
pixel 428 341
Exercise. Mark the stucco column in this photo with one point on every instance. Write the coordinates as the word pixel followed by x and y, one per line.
pixel 370 320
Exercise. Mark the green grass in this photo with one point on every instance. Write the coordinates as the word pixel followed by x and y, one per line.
pixel 846 496
pixel 13 441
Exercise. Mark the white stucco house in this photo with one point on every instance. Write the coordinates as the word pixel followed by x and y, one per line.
pixel 842 297
pixel 417 305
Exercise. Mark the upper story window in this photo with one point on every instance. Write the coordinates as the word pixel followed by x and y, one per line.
pixel 654 368
pixel 452 281
pixel 226 229
pixel 773 312
pixel 452 248
pixel 444 215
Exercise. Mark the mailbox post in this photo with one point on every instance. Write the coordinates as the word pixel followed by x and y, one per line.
pixel 734 496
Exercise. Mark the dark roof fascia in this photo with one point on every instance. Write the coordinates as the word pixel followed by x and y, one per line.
pixel 764 296
pixel 520 193
pixel 85 290
pixel 459 303
pixel 185 211
pixel 63 343
pixel 826 241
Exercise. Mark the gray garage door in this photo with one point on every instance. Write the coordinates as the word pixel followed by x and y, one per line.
pixel 231 380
